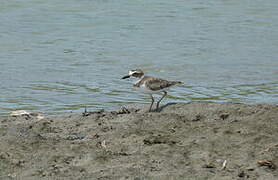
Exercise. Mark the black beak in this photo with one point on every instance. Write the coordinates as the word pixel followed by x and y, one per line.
pixel 127 76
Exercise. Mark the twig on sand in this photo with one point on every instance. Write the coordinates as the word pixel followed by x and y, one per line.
pixel 224 165
pixel 85 113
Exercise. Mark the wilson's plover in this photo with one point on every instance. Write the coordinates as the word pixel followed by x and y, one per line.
pixel 150 85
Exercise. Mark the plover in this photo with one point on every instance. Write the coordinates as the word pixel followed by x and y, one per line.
pixel 150 85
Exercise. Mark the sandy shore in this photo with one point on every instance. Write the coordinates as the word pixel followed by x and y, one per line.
pixel 183 141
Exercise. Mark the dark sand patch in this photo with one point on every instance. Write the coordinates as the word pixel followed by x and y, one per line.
pixel 183 141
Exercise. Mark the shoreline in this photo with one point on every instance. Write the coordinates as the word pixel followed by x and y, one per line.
pixel 201 140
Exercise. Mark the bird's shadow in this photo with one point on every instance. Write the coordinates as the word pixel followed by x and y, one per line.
pixel 163 106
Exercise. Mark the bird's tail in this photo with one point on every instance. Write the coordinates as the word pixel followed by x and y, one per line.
pixel 176 82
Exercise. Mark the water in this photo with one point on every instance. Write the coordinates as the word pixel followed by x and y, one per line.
pixel 59 56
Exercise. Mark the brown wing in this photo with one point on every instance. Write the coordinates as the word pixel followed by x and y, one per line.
pixel 158 84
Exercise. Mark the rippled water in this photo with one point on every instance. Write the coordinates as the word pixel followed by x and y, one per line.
pixel 59 56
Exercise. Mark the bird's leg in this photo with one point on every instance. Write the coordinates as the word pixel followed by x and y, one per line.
pixel 151 103
pixel 157 104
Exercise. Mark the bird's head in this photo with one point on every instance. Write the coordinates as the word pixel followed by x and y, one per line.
pixel 137 73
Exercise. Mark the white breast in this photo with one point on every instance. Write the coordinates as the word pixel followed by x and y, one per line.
pixel 145 89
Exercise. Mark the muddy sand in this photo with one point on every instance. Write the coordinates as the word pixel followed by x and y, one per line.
pixel 199 140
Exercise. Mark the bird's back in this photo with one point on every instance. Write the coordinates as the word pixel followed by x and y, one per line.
pixel 155 84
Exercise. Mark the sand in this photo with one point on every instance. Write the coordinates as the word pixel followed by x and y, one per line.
pixel 199 140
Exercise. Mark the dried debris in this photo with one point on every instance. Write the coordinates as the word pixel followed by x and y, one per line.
pixel 123 110
pixel 19 113
pixel 75 137
pixel 86 113
pixel 224 116
pixel 241 174
pixel 158 139
pixel 101 144
pixel 27 115
pixel 267 163
pixel 208 166
pixel 198 117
